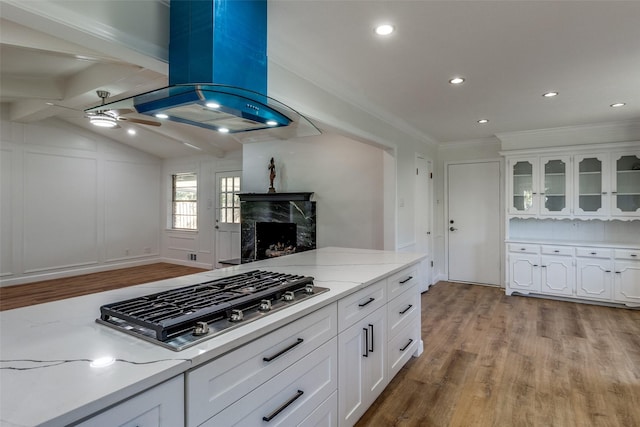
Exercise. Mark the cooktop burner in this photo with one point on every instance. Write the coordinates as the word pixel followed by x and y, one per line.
pixel 182 317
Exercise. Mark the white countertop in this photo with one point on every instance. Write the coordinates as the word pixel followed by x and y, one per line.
pixel 46 349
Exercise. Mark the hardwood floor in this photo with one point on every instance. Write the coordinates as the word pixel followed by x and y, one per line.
pixel 56 289
pixel 494 360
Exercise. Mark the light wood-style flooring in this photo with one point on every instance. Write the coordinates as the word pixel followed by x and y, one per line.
pixel 493 360
pixel 56 289
pixel 489 360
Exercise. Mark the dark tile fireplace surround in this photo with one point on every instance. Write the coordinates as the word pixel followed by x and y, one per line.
pixel 276 224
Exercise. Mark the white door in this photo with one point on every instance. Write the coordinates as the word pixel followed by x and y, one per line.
pixel 423 218
pixel 473 225
pixel 227 218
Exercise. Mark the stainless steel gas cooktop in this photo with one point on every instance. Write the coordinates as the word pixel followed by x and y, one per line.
pixel 180 318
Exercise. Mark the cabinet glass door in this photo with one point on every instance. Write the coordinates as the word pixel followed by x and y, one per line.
pixel 522 197
pixel 555 184
pixel 590 185
pixel 627 184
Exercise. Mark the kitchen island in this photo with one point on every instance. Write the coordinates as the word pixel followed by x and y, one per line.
pixel 52 354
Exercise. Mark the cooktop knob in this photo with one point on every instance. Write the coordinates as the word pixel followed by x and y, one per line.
pixel 289 296
pixel 265 305
pixel 236 315
pixel 201 328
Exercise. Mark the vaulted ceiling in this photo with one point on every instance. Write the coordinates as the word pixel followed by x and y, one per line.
pixel 509 52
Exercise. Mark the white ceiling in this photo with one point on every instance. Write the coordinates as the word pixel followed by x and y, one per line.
pixel 510 53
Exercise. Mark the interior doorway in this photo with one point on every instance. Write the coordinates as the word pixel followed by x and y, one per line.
pixel 473 222
pixel 424 217
pixel 227 227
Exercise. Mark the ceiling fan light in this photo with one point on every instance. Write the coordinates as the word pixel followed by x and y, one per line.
pixel 103 121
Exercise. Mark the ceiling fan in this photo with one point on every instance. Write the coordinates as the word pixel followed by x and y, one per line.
pixel 110 118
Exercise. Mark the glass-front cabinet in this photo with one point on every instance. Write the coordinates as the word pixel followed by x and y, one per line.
pixel 523 185
pixel 556 186
pixel 591 176
pixel 625 191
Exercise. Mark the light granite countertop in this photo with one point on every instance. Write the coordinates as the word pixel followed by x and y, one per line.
pixel 46 350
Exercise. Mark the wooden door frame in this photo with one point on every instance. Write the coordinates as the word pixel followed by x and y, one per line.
pixel 500 161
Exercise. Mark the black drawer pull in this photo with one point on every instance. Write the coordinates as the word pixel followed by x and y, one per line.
pixel 634 255
pixel 367 303
pixel 283 406
pixel 556 251
pixel 402 282
pixel 607 271
pixel 408 344
pixel 593 253
pixel 406 309
pixel 281 352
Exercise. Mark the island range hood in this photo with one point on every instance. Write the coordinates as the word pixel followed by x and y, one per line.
pixel 217 73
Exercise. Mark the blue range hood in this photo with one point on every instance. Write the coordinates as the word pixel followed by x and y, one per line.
pixel 217 72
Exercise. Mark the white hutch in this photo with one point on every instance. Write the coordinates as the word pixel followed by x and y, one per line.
pixel 573 222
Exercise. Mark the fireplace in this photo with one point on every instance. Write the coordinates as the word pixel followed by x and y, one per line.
pixel 276 224
pixel 275 239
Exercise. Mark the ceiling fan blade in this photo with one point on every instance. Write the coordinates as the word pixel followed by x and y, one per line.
pixel 140 121
pixel 121 111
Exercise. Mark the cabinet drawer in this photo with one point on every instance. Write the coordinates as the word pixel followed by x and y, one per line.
pixel 289 397
pixel 401 281
pixel 632 254
pixel 402 310
pixel 358 305
pixel 161 406
pixel 219 383
pixel 557 250
pixel 594 252
pixel 524 248
pixel 402 347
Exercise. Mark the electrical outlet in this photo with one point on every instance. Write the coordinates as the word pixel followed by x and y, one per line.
pixel 192 257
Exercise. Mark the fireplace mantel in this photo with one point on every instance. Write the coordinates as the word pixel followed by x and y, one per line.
pixel 275 197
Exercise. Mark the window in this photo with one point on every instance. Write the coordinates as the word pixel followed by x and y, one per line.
pixel 184 201
pixel 229 200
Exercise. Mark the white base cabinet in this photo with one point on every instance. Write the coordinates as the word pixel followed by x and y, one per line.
pixel 361 362
pixel 161 406
pixel 581 272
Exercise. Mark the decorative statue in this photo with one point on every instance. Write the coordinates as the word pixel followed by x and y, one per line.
pixel 272 175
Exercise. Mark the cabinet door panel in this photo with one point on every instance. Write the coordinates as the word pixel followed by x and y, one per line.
pixel 558 275
pixel 522 185
pixel 555 188
pixel 627 281
pixel 524 272
pixel 594 279
pixel 591 195
pixel 626 184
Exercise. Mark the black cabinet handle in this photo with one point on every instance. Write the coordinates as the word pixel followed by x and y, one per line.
pixel 371 328
pixel 408 344
pixel 556 251
pixel 366 342
pixel 283 406
pixel 607 271
pixel 406 309
pixel 367 303
pixel 618 272
pixel 402 282
pixel 634 255
pixel 593 253
pixel 281 352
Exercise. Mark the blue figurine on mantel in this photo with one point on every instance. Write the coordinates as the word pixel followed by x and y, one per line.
pixel 272 175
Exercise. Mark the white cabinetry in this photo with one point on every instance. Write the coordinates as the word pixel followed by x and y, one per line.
pixel 589 184
pixel 161 406
pixel 362 343
pixel 627 276
pixel 542 269
pixel 220 384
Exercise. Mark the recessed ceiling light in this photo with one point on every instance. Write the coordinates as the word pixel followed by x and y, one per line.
pixel 550 94
pixel 456 80
pixel 162 116
pixel 483 121
pixel 131 131
pixel 384 29
pixel 223 130
pixel 618 104
pixel 212 105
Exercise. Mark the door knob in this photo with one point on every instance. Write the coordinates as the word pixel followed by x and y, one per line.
pixel 452 229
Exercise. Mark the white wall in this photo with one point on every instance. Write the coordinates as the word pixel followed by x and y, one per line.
pixel 345 176
pixel 74 202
